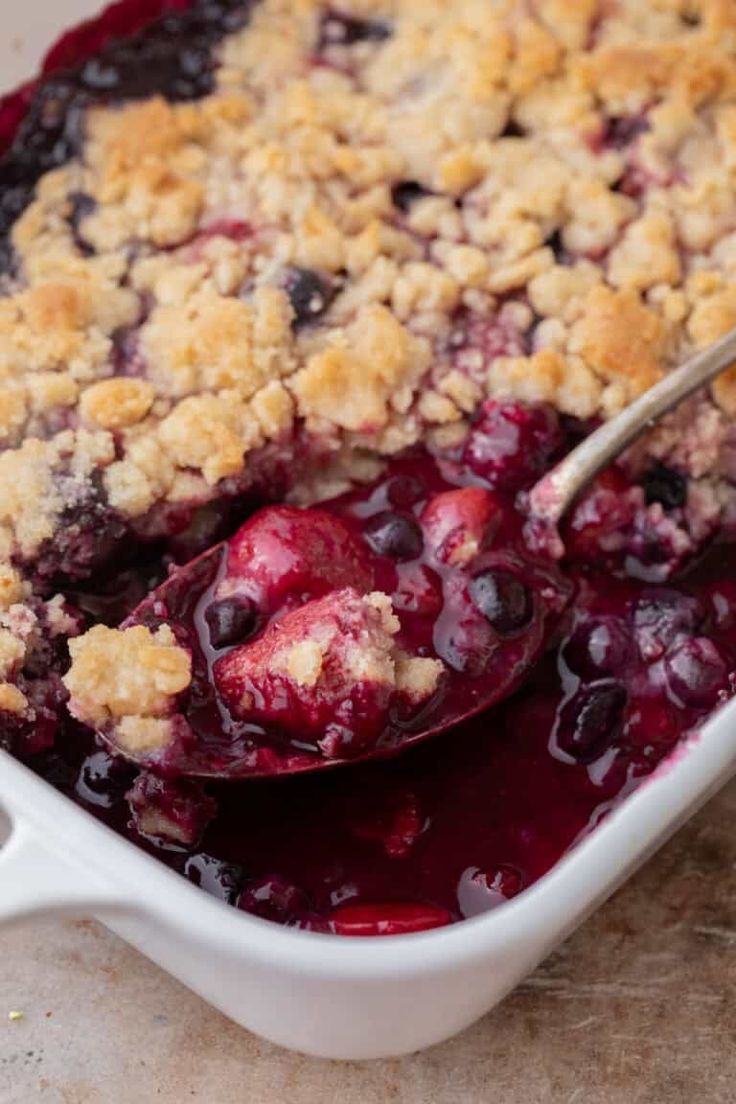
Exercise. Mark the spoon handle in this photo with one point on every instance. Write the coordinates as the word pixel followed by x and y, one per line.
pixel 551 497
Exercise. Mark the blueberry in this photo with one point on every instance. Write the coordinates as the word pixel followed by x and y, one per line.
pixel 665 485
pixel 696 672
pixel 88 534
pixel 344 30
pixel 622 130
pixel 309 294
pixel 503 599
pixel 230 621
pixel 599 646
pixel 395 535
pixel 221 879
pixel 407 192
pixel 81 205
pixel 591 720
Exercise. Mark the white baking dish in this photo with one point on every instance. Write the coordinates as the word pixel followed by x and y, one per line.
pixel 333 997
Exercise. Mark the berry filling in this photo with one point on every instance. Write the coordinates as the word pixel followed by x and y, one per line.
pixel 412 606
pixel 272 623
pixel 326 634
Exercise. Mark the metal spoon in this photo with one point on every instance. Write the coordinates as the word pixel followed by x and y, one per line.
pixel 550 498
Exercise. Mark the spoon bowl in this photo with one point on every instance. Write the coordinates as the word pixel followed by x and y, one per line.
pixel 415 617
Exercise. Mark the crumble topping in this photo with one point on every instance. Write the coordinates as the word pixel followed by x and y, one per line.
pixel 571 204
pixel 12 699
pixel 328 672
pixel 349 244
pixel 370 654
pixel 128 678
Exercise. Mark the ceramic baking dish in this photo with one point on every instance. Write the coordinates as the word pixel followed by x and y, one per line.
pixel 327 996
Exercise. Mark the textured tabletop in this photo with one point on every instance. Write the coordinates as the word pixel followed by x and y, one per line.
pixel 637 1007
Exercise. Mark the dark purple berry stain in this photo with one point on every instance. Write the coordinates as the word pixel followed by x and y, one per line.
pixel 230 621
pixel 665 485
pixel 406 193
pixel 81 206
pixel 88 533
pixel 310 294
pixel 622 130
pixel 339 29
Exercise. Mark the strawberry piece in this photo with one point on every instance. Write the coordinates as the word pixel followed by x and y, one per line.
pixel 387 918
pixel 283 551
pixel 326 672
pixel 458 524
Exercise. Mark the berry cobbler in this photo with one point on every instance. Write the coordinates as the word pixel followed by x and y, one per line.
pixel 297 302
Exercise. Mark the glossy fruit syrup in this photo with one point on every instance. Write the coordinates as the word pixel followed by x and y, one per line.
pixel 468 820
pixel 461 824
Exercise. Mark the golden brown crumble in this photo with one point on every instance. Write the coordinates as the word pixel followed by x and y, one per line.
pixel 128 679
pixel 572 166
pixel 12 699
pixel 371 656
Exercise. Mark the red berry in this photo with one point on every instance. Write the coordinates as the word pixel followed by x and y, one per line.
pixel 285 551
pixel 321 672
pixel 459 524
pixel 387 918
pixel 512 444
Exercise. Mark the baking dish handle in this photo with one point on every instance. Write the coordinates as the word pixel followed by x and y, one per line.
pixel 35 878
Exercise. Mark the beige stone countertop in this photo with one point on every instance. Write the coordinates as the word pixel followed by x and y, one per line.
pixel 637 1008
